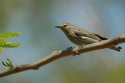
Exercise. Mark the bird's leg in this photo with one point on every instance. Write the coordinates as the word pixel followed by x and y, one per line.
pixel 76 52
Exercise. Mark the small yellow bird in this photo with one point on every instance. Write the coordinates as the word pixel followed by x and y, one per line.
pixel 80 36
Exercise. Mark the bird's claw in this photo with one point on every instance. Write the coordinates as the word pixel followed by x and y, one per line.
pixel 69 48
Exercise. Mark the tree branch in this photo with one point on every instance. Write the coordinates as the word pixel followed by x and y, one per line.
pixel 59 54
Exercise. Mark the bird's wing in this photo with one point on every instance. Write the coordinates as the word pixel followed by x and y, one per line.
pixel 88 34
pixel 102 38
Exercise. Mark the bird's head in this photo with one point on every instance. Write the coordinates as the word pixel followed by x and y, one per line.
pixel 64 27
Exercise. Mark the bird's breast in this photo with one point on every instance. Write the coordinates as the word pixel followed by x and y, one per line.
pixel 74 38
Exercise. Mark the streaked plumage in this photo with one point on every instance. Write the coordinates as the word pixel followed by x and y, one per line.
pixel 79 36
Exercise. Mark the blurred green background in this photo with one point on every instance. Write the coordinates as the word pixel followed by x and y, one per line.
pixel 36 18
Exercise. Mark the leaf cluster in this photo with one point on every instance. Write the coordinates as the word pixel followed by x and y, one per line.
pixel 4 40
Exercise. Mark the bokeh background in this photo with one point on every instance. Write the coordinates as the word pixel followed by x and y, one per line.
pixel 36 20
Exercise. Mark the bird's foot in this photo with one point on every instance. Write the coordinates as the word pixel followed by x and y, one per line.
pixel 75 52
pixel 70 48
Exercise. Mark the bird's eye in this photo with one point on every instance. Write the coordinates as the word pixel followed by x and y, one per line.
pixel 64 25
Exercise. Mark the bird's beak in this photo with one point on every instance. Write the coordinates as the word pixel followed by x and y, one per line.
pixel 57 26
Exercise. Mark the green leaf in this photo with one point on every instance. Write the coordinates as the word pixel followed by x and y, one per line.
pixel 12 45
pixel 9 34
pixel 4 42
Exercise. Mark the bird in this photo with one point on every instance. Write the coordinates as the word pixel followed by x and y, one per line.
pixel 80 36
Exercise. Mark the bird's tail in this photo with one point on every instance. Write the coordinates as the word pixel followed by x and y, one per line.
pixel 116 48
